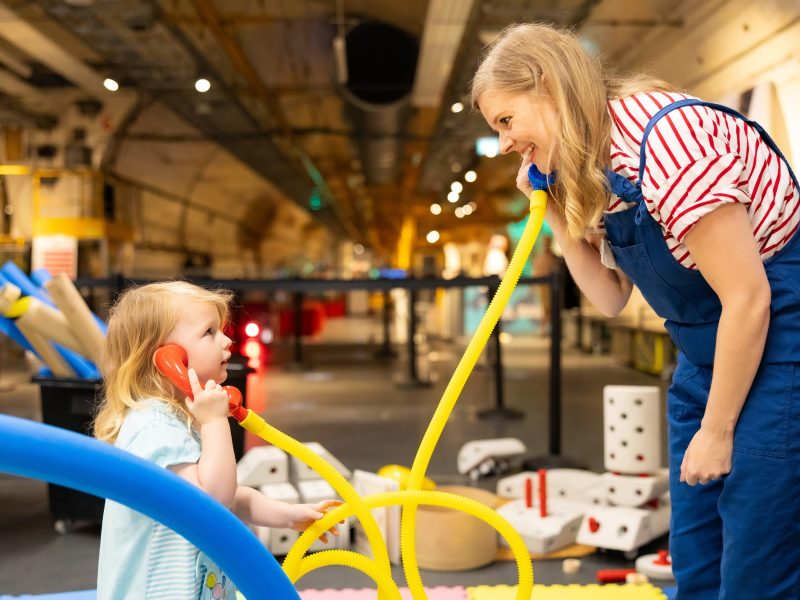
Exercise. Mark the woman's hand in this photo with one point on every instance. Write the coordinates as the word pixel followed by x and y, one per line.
pixel 708 457
pixel 301 516
pixel 209 403
pixel 523 183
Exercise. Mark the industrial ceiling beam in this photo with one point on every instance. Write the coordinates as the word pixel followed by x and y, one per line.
pixel 208 13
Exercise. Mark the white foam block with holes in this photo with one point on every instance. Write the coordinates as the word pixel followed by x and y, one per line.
pixel 475 452
pixel 562 484
pixel 633 490
pixel 263 465
pixel 543 534
pixel 301 471
pixel 278 541
pixel 631 428
pixel 622 527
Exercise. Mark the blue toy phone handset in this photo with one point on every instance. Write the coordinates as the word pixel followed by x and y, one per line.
pixel 539 180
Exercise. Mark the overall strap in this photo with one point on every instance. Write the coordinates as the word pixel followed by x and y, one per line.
pixel 725 109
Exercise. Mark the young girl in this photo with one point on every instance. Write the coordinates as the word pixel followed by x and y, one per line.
pixel 145 414
pixel 698 208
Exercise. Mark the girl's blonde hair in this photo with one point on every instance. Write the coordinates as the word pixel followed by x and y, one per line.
pixel 140 322
pixel 541 59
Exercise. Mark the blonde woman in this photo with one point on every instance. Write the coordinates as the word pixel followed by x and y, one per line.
pixel 143 413
pixel 696 206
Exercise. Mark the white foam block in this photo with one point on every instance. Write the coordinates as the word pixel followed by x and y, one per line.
pixel 631 428
pixel 633 490
pixel 262 465
pixel 543 534
pixel 475 452
pixel 301 471
pixel 562 484
pixel 622 527
pixel 387 518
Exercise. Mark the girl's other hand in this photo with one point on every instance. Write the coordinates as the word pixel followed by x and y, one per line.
pixel 301 516
pixel 209 403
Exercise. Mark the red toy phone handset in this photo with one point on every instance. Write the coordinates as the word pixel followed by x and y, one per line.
pixel 172 362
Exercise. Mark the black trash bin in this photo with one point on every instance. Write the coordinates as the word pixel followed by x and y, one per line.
pixel 70 404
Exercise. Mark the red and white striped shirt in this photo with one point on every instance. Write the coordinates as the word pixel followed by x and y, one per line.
pixel 697 160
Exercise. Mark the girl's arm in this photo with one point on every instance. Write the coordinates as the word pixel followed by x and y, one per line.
pixel 253 507
pixel 722 246
pixel 215 472
pixel 607 289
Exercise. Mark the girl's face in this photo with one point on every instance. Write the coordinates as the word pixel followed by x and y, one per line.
pixel 198 332
pixel 525 122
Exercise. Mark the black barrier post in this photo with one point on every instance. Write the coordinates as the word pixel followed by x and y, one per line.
pixel 556 279
pixel 500 411
pixel 386 349
pixel 411 343
pixel 297 302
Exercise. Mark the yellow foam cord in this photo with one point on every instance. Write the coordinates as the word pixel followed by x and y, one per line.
pixel 538 204
pixel 379 568
pixel 256 425
pixel 296 566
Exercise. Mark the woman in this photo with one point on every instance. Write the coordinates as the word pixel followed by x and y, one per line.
pixel 698 208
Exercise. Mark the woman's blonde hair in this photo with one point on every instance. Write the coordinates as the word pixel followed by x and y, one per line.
pixel 140 322
pixel 541 59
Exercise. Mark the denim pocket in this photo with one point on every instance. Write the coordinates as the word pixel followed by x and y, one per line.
pixel 763 425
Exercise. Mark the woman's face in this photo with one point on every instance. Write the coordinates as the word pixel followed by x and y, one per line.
pixel 525 123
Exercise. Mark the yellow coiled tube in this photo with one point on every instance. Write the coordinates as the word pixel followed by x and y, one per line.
pixel 296 566
pixel 538 204
pixel 379 569
pixel 258 426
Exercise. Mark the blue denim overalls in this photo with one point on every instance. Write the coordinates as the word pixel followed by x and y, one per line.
pixel 738 537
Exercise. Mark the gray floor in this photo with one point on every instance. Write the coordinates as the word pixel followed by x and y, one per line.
pixel 350 402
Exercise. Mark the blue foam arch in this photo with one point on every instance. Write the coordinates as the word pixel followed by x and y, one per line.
pixel 73 460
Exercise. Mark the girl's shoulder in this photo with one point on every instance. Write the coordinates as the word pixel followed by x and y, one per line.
pixel 156 432
pixel 150 414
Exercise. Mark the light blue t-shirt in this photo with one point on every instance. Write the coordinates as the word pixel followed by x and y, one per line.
pixel 141 559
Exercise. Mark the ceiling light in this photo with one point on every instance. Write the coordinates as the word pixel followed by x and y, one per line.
pixel 452 197
pixel 455 167
pixel 358 249
pixel 202 85
pixel 436 208
pixel 459 212
pixel 110 84
pixel 470 176
pixel 457 107
pixel 457 187
pixel 432 237
pixel 473 206
pixel 467 210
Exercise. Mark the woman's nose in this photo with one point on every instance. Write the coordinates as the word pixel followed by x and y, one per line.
pixel 506 143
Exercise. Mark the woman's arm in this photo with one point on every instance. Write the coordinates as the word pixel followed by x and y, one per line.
pixel 607 289
pixel 722 245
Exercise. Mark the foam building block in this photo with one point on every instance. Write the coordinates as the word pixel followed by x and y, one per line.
pixel 300 471
pixel 263 465
pixel 632 435
pixel 278 541
pixel 543 534
pixel 472 454
pixel 562 484
pixel 645 591
pixel 633 490
pixel 387 518
pixel 622 527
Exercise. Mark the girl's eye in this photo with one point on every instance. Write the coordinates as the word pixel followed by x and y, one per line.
pixel 505 120
pixel 209 331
